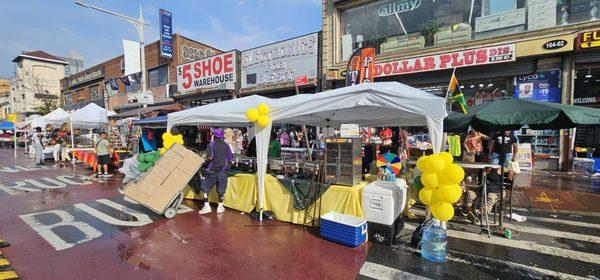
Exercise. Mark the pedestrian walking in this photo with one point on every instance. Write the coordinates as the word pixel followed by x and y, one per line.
pixel 38 146
pixel 103 152
pixel 219 157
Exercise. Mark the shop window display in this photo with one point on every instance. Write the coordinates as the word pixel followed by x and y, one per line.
pixel 397 26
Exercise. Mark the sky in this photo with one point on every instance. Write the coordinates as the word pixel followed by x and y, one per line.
pixel 59 26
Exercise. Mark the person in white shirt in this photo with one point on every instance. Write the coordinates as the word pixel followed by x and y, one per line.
pixel 38 146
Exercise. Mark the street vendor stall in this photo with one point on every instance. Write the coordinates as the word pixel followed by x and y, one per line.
pixel 372 104
pixel 91 116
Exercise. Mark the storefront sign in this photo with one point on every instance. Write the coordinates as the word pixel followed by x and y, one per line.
pixel 474 57
pixel 191 53
pixel 545 46
pixel 361 67
pixel 300 81
pixel 587 100
pixel 85 77
pixel 280 62
pixel 349 130
pixel 166 33
pixel 542 86
pixel 589 39
pixel 397 7
pixel 211 72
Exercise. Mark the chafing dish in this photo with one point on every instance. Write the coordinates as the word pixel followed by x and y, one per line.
pixel 276 164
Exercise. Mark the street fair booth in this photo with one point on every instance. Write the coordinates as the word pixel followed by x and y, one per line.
pixel 8 134
pixel 370 104
pixel 56 117
pixel 91 116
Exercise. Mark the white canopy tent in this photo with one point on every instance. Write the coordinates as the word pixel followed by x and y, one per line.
pixel 371 104
pixel 90 116
pixel 56 117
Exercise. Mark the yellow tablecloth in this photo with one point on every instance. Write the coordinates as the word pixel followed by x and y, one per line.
pixel 242 194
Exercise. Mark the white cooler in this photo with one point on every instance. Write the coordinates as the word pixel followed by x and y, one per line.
pixel 383 201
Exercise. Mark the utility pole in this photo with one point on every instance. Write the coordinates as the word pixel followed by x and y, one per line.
pixel 139 26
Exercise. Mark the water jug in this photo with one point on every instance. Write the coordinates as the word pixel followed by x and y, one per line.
pixel 433 246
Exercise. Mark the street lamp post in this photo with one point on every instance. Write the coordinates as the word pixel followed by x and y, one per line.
pixel 139 26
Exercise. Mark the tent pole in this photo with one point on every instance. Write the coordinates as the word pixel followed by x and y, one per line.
pixel 502 160
pixel 308 149
pixel 72 145
pixel 15 136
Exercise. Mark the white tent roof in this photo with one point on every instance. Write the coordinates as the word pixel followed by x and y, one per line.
pixel 58 116
pixel 90 116
pixel 227 113
pixel 370 104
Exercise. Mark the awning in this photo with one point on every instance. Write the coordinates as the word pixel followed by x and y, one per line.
pixel 155 120
pixel 162 109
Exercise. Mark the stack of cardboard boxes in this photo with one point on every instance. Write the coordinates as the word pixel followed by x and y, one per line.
pixel 161 183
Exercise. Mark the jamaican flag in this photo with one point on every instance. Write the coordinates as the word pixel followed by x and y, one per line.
pixel 457 96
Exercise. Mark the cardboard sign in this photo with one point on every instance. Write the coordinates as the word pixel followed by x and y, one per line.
pixel 349 131
pixel 300 81
pixel 210 72
pixel 524 156
pixel 473 57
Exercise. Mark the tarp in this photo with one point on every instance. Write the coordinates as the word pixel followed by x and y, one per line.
pixel 155 120
pixel 370 104
pixel 56 117
pixel 7 126
pixel 90 116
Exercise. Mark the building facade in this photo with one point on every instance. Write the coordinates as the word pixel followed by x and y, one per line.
pixel 75 61
pixel 496 48
pixel 4 98
pixel 106 85
pixel 35 88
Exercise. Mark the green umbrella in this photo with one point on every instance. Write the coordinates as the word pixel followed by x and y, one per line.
pixel 511 114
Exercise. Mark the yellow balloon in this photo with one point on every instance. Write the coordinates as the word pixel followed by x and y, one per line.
pixel 442 211
pixel 452 174
pixel 421 164
pixel 162 150
pixel 179 141
pixel 435 163
pixel 263 109
pixel 430 180
pixel 427 196
pixel 263 121
pixel 448 158
pixel 252 114
pixel 449 193
pixel 165 136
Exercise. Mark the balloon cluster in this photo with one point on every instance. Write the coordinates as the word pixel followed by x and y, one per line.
pixel 168 141
pixel 260 115
pixel 147 160
pixel 441 180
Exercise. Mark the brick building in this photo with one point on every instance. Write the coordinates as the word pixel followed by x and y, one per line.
pixel 94 83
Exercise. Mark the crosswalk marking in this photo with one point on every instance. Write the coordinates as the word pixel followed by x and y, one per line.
pixel 566 222
pixel 382 272
pixel 547 272
pixel 525 245
pixel 536 230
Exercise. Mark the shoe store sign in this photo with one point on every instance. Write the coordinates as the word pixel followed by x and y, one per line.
pixel 281 63
pixel 209 73
pixel 588 39
pixel 466 58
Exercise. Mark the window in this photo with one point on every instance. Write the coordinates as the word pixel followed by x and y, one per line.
pixel 109 88
pixel 492 7
pixel 68 98
pixel 79 96
pixel 157 76
pixel 95 92
pixel 133 87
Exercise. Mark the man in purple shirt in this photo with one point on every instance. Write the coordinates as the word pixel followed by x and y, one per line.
pixel 219 156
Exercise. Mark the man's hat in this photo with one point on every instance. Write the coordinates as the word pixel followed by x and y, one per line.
pixel 218 133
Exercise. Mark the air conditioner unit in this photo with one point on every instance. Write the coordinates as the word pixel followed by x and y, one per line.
pixel 171 90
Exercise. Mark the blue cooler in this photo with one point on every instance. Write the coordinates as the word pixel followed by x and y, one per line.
pixel 344 229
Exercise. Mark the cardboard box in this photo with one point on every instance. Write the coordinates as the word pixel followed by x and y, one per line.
pixel 166 163
pixel 191 163
pixel 173 156
pixel 176 181
pixel 179 149
pixel 160 172
pixel 150 182
pixel 134 192
pixel 160 199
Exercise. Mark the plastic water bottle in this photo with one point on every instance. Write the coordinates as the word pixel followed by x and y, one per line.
pixel 433 246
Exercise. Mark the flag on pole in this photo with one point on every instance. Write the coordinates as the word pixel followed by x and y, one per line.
pixel 457 96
